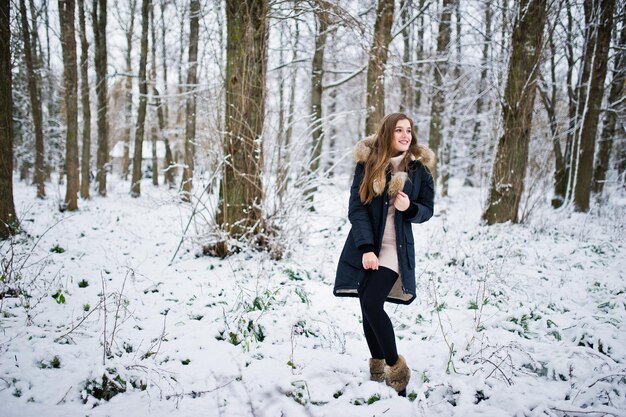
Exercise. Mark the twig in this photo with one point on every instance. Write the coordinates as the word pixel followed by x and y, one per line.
pixel 62 400
pixel 80 322
pixel 117 310
pixel 104 332
pixel 195 394
pixel 193 212
pixel 602 412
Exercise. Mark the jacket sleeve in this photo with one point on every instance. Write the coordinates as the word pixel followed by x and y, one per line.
pixel 421 209
pixel 358 215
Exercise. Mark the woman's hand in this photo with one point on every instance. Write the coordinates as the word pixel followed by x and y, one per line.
pixel 401 201
pixel 370 261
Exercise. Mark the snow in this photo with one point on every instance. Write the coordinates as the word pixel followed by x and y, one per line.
pixel 510 320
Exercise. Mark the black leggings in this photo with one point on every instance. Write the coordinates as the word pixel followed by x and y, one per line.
pixel 373 291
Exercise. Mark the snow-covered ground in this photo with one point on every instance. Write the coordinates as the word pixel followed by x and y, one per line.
pixel 510 320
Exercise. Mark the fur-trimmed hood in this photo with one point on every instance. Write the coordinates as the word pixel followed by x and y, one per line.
pixel 424 155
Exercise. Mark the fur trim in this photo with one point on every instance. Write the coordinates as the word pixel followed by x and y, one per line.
pixel 363 148
pixel 426 157
pixel 398 375
pixel 377 369
pixel 397 183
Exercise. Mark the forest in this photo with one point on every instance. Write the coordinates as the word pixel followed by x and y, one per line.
pixel 174 183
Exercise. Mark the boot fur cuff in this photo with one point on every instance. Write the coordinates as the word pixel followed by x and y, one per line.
pixel 398 375
pixel 377 370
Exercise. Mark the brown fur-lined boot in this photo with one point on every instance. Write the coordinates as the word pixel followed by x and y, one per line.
pixel 377 370
pixel 398 375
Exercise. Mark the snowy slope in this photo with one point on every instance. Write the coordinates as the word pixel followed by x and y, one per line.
pixel 510 320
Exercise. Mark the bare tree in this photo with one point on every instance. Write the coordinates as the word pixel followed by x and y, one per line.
pixel 8 219
pixel 509 167
pixel 419 70
pixel 135 189
pixel 615 109
pixel 405 83
pixel 376 65
pixel 35 101
pixel 128 112
pixel 548 93
pixel 241 189
pixel 67 10
pixel 85 165
pixel 99 19
pixel 317 75
pixel 480 100
pixel 600 15
pixel 190 105
pixel 157 99
pixel 435 135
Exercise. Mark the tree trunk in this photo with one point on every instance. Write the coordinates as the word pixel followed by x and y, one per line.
pixel 470 174
pixel 157 100
pixel 419 70
pixel 166 113
pixel 446 149
pixel 155 163
pixel 67 12
pixel 562 178
pixel 615 109
pixel 85 166
pixel 509 167
pixel 128 112
pixel 35 102
pixel 405 82
pixel 241 189
pixel 435 135
pixel 8 219
pixel 190 105
pixel 283 168
pixel 135 189
pixel 376 66
pixel 599 48
pixel 99 14
pixel 317 75
pixel 548 94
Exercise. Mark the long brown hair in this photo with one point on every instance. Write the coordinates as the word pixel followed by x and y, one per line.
pixel 377 164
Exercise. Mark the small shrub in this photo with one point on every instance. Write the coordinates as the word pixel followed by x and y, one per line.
pixel 59 297
pixel 57 249
pixel 371 400
pixel 83 283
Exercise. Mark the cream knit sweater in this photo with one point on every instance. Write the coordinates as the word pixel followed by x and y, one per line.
pixel 388 256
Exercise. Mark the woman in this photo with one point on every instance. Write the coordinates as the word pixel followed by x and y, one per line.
pixel 392 188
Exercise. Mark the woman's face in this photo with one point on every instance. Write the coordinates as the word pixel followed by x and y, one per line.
pixel 402 136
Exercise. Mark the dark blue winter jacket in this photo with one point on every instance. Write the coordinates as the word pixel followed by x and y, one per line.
pixel 368 223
